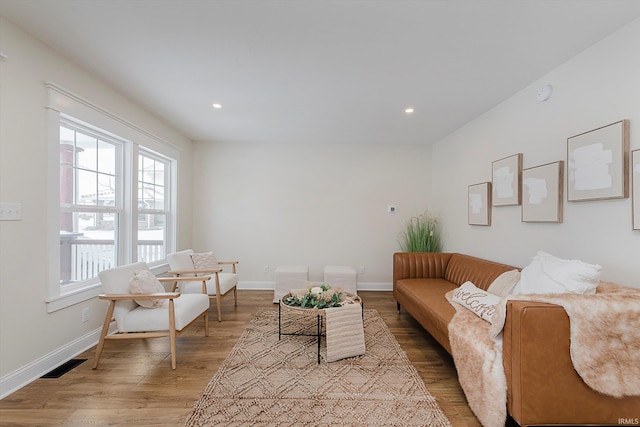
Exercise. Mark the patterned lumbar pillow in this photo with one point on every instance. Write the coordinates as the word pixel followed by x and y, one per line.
pixel 204 261
pixel 480 302
pixel 145 282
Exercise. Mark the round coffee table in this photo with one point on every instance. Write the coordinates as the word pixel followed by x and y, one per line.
pixel 350 298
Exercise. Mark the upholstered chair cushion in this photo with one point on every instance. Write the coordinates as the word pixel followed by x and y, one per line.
pixel 227 281
pixel 185 260
pixel 116 281
pixel 187 308
pixel 181 260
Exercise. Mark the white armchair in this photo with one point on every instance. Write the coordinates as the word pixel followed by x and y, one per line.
pixel 174 313
pixel 221 282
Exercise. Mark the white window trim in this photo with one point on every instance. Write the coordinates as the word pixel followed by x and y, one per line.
pixel 65 103
pixel 122 171
pixel 169 186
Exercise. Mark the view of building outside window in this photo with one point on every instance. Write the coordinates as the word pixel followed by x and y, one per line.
pixel 89 204
pixel 152 207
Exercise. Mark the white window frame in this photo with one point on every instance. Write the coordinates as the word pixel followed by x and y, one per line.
pixel 169 207
pixel 122 204
pixel 65 105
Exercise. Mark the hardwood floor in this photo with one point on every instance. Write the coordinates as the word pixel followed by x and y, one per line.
pixel 135 385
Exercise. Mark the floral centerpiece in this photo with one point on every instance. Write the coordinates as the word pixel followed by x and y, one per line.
pixel 319 297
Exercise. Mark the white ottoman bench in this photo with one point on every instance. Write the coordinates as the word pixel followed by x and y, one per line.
pixel 289 277
pixel 341 276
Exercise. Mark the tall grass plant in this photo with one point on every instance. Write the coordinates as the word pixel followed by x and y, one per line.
pixel 421 234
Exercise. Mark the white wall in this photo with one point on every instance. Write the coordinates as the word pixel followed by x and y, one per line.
pixel 27 332
pixel 598 87
pixel 315 205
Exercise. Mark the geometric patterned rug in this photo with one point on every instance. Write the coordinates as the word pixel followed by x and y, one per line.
pixel 269 382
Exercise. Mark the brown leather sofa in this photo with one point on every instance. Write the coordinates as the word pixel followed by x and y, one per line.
pixel 542 386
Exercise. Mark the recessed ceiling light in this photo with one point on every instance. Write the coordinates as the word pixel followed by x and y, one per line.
pixel 217 106
pixel 409 110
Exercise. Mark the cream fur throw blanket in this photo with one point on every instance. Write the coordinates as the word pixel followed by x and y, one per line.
pixel 478 360
pixel 605 347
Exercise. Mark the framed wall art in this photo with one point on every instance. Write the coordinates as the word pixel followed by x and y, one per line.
pixel 542 196
pixel 598 163
pixel 479 204
pixel 635 173
pixel 506 186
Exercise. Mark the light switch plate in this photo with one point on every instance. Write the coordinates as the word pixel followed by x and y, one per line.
pixel 10 211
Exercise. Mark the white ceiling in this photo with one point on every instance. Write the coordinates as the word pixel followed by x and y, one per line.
pixel 319 71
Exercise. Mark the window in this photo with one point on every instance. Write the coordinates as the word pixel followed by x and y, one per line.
pixel 90 202
pixel 153 207
pixel 93 216
pixel 111 193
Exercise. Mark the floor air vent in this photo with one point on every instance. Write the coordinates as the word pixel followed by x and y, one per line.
pixel 63 369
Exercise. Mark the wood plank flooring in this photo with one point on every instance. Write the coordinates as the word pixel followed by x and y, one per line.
pixel 135 385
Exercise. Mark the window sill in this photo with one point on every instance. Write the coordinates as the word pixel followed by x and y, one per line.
pixel 71 298
pixel 89 292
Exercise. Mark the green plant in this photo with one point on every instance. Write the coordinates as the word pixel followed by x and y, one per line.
pixel 421 234
pixel 317 297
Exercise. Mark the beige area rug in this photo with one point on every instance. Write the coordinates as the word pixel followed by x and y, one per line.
pixel 265 381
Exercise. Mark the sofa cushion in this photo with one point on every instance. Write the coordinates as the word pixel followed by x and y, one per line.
pixel 505 283
pixel 425 300
pixel 547 274
pixel 480 272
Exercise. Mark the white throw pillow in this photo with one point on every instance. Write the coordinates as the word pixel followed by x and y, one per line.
pixel 548 274
pixel 504 284
pixel 204 261
pixel 145 282
pixel 479 301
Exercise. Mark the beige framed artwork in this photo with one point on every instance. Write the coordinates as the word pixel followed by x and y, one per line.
pixel 598 163
pixel 506 186
pixel 635 173
pixel 479 204
pixel 542 197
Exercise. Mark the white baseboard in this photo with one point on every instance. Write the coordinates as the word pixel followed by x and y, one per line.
pixel 256 286
pixel 269 286
pixel 19 378
pixel 375 286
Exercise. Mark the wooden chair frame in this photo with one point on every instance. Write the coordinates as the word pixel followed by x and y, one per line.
pixel 218 296
pixel 172 333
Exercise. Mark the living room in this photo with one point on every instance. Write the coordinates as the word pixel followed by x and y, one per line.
pixel 268 202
